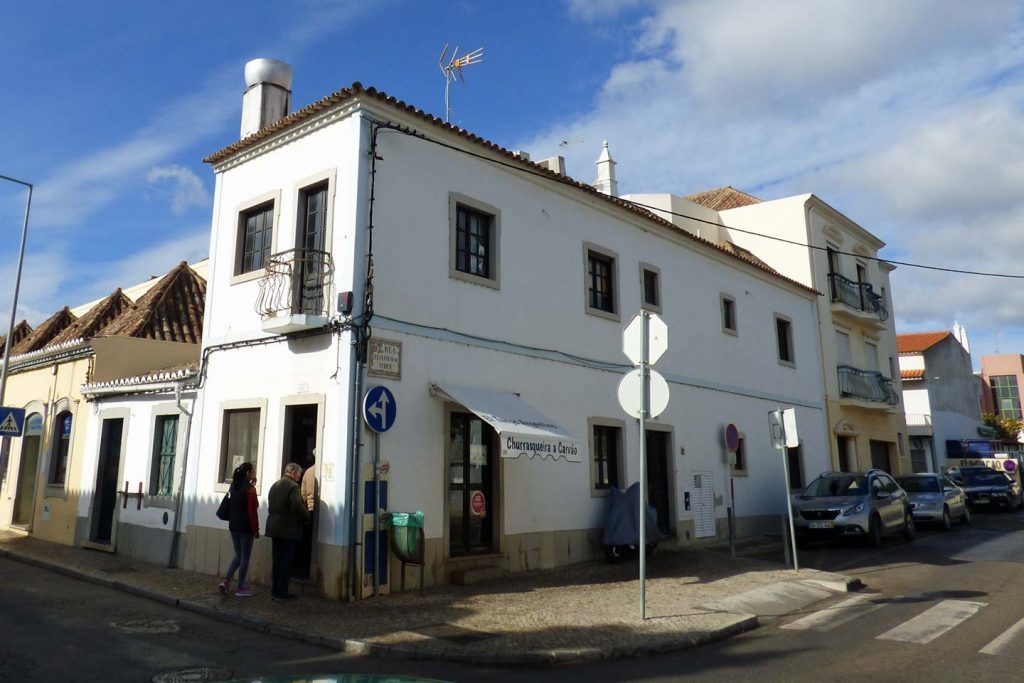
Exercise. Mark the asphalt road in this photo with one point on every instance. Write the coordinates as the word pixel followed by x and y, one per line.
pixel 947 607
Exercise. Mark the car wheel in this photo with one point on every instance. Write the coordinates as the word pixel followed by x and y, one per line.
pixel 966 517
pixel 909 530
pixel 947 521
pixel 875 532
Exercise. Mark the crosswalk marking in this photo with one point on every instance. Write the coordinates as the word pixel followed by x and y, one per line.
pixel 836 615
pixel 1001 643
pixel 932 623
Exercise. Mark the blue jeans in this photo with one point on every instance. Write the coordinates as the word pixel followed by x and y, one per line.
pixel 243 549
pixel 282 551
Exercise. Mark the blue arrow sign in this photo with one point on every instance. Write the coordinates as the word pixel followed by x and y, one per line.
pixel 12 421
pixel 379 409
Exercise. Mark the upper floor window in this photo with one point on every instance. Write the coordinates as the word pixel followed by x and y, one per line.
pixel 784 340
pixel 256 232
pixel 313 217
pixel 60 449
pixel 650 281
pixel 601 282
pixel 474 241
pixel 1005 396
pixel 728 314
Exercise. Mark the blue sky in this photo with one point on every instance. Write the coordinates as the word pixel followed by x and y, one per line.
pixel 905 116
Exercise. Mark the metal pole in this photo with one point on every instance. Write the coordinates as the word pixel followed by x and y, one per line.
pixel 17 287
pixel 785 483
pixel 376 514
pixel 645 407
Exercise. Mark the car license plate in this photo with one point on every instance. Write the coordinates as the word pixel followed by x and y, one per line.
pixel 820 525
pixel 982 498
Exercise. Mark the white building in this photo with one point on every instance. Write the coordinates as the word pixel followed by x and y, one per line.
pixel 806 239
pixel 484 288
pixel 941 396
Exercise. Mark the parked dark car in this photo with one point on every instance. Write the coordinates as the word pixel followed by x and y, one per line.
pixel 990 489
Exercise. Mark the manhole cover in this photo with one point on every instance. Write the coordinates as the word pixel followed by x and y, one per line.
pixel 453 634
pixel 193 676
pixel 147 626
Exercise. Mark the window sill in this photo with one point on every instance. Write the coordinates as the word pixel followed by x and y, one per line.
pixel 731 333
pixel 490 283
pixel 247 277
pixel 741 473
pixel 599 313
pixel 787 363
pixel 161 502
pixel 56 491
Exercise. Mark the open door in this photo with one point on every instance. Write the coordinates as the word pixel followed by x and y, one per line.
pixel 105 501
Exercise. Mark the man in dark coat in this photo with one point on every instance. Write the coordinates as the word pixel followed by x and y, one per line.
pixel 287 515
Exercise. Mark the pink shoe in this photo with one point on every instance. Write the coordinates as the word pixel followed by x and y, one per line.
pixel 223 587
pixel 245 592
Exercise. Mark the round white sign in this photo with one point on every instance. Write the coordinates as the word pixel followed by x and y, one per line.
pixel 631 396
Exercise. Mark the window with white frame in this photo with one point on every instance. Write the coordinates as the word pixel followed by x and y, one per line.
pixel 474 241
pixel 784 340
pixel 240 440
pixel 602 282
pixel 255 237
pixel 165 451
pixel 60 449
pixel 606 455
pixel 650 284
pixel 728 306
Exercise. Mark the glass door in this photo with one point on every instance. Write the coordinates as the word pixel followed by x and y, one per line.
pixel 24 499
pixel 471 502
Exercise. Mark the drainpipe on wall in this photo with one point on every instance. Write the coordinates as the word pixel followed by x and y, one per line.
pixel 172 558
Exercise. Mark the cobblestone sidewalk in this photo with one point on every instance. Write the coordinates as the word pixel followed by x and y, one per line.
pixel 574 614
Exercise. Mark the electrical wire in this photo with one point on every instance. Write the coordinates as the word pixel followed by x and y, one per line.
pixel 569 181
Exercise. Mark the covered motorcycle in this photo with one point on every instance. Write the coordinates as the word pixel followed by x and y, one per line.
pixel 621 537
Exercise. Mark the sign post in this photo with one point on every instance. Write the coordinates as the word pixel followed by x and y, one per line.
pixel 379 412
pixel 644 341
pixel 732 444
pixel 783 431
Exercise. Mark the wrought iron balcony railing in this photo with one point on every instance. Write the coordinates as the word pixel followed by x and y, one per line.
pixel 867 385
pixel 297 282
pixel 859 296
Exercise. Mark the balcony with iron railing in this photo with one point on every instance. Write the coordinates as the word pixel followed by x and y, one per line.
pixel 295 292
pixel 856 297
pixel 866 385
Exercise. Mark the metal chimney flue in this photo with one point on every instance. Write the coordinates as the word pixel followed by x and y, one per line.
pixel 268 94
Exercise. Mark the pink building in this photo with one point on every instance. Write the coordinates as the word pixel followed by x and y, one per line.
pixel 1002 377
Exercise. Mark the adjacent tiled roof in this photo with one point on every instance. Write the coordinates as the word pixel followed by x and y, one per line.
pixel 171 311
pixel 911 374
pixel 347 95
pixel 723 198
pixel 170 374
pixel 98 317
pixel 918 342
pixel 45 333
pixel 20 331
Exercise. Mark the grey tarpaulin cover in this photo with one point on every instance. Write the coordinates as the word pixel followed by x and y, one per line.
pixel 622 520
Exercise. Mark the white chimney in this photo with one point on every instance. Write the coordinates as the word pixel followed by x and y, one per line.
pixel 268 94
pixel 606 182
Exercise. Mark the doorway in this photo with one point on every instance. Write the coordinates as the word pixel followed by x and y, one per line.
pixel 25 496
pixel 106 480
pixel 659 478
pixel 300 439
pixel 880 456
pixel 471 500
pixel 847 453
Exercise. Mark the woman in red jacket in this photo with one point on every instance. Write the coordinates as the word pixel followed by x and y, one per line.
pixel 244 525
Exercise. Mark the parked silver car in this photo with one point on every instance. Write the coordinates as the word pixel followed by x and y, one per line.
pixel 867 505
pixel 935 498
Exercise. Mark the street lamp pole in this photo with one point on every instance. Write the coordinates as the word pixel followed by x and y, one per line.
pixel 17 287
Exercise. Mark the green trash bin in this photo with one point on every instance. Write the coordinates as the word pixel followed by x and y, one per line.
pixel 407 540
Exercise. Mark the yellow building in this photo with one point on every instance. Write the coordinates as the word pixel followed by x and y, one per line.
pixel 41 472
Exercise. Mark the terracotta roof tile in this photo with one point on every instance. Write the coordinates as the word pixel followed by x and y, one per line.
pixel 20 331
pixel 171 311
pixel 911 374
pixel 723 198
pixel 917 342
pixel 98 317
pixel 347 95
pixel 44 334
pixel 169 374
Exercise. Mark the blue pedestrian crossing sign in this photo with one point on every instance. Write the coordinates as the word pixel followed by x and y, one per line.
pixel 12 421
pixel 379 409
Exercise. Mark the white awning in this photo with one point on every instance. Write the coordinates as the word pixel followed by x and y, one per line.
pixel 522 429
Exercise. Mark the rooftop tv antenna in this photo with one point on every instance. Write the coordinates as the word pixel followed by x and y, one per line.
pixel 453 69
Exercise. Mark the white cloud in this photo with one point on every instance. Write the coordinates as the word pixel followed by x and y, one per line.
pixel 184 187
pixel 592 10
pixel 906 116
